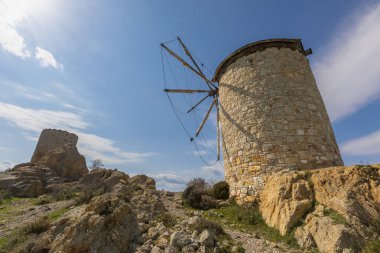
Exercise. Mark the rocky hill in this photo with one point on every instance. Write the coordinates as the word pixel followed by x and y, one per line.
pixel 54 204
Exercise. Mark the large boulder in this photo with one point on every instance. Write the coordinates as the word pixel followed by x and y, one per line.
pixel 145 198
pixel 352 191
pixel 342 205
pixel 66 161
pixel 28 180
pixel 106 224
pixel 285 199
pixel 326 234
pixel 111 221
pixel 51 139
pixel 103 178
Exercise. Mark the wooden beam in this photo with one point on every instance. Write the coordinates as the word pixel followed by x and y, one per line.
pixel 217 130
pixel 203 99
pixel 205 118
pixel 184 62
pixel 184 91
pixel 195 63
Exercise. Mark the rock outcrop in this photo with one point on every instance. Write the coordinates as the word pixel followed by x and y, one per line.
pixel 326 234
pixel 106 224
pixel 110 222
pixel 28 180
pixel 51 139
pixel 341 206
pixel 57 150
pixel 54 160
pixel 66 162
pixel 285 199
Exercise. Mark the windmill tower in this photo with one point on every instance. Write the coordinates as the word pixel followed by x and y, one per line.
pixel 271 114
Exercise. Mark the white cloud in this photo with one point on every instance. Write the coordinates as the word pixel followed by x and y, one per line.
pixel 169 181
pixel 4 149
pixel 47 59
pixel 216 171
pixel 367 145
pixel 37 119
pixel 4 165
pixel 200 152
pixel 207 143
pixel 14 12
pixel 18 90
pixel 101 148
pixel 11 13
pixel 348 71
pixel 93 146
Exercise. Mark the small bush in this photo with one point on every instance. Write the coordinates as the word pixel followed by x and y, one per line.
pixel 64 191
pixel 199 183
pixel 335 216
pixel 192 196
pixel 221 190
pixel 5 196
pixel 198 198
pixel 249 216
pixel 168 220
pixel 372 247
pixel 96 164
pixel 42 201
pixel 208 202
pixel 83 198
pixel 203 224
pixel 37 227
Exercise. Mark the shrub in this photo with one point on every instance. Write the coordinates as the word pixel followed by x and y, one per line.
pixel 5 196
pixel 168 220
pixel 198 195
pixel 249 216
pixel 335 216
pixel 199 183
pixel 208 202
pixel 42 201
pixel 372 247
pixel 203 224
pixel 221 190
pixel 83 198
pixel 38 226
pixel 192 196
pixel 96 164
pixel 198 198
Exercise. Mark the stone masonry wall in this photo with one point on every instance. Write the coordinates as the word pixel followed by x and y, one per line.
pixel 273 118
pixel 51 139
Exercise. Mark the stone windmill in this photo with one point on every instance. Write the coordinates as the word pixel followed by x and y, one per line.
pixel 270 111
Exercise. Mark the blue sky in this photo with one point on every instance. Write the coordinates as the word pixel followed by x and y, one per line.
pixel 94 68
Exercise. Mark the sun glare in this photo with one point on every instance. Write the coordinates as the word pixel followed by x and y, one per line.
pixel 14 11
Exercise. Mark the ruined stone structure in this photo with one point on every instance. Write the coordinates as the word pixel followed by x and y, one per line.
pixel 272 115
pixel 51 139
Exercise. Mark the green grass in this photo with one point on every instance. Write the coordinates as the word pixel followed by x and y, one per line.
pixel 17 240
pixel 42 200
pixel 37 227
pixel 335 216
pixel 250 220
pixel 372 247
pixel 3 242
pixel 12 206
pixel 168 220
pixel 55 215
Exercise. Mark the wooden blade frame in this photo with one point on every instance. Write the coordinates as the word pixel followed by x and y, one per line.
pixel 203 99
pixel 218 130
pixel 184 91
pixel 205 118
pixel 186 64
pixel 195 63
pixel 213 92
